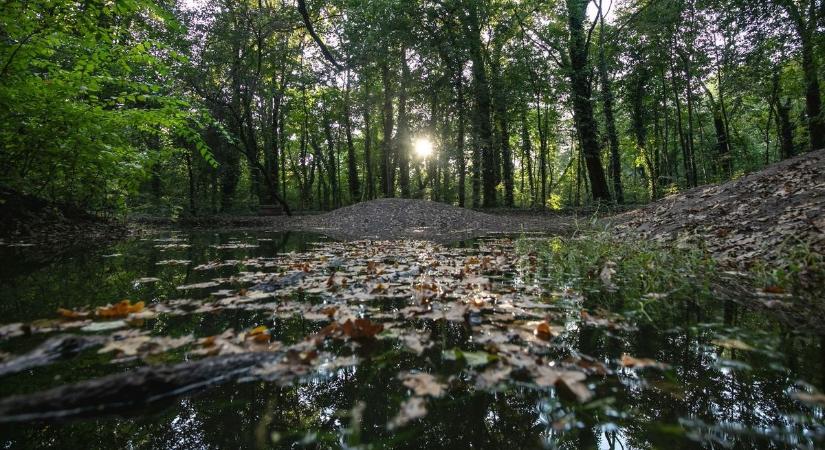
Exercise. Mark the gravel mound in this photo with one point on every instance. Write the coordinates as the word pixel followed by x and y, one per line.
pixel 396 218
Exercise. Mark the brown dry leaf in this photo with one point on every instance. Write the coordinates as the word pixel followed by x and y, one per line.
pixel 546 376
pixel 361 328
pixel 423 384
pixel 567 381
pixel 72 314
pixel 571 382
pixel 225 343
pixel 353 329
pixel 774 290
pixel 134 343
pixel 259 334
pixel 544 331
pixel 120 309
pixel 641 363
pixel 413 408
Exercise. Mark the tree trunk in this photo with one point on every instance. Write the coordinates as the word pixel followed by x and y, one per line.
pixel 481 119
pixel 542 154
pixel 806 27
pixel 402 139
pixel 368 178
pixel 610 121
pixel 460 158
pixel 582 103
pixel 386 175
pixel 352 163
pixel 783 113
pixel 527 158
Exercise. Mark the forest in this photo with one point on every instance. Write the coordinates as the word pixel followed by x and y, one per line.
pixel 407 224
pixel 198 108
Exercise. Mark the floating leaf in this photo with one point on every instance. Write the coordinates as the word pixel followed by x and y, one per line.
pixel 411 409
pixel 423 384
pixel 473 359
pixel 71 314
pixel 104 326
pixel 120 309
pixel 641 363
pixel 733 344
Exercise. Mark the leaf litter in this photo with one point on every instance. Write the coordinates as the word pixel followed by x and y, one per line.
pixel 364 295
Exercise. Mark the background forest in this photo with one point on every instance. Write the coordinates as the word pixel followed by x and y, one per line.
pixel 203 107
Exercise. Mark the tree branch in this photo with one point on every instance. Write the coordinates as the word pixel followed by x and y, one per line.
pixel 302 9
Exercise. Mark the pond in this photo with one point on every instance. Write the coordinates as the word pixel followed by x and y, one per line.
pixel 381 345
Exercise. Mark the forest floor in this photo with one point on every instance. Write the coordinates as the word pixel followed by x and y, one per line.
pixel 396 218
pixel 760 217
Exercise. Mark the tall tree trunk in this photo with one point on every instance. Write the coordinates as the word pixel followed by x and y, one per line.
pixel 506 153
pixel 332 168
pixel 806 27
pixel 722 144
pixel 610 121
pixel 387 171
pixel 459 145
pixel 402 139
pixel 352 163
pixel 481 119
pixel 582 103
pixel 542 153
pixel 638 118
pixel 369 177
pixel 527 158
pixel 783 113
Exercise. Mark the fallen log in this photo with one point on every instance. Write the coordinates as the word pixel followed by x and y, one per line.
pixel 124 391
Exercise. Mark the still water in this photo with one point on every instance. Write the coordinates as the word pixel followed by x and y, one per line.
pixel 694 393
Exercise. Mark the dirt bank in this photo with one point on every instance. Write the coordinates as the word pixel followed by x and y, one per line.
pixel 761 216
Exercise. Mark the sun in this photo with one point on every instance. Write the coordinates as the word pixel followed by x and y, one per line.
pixel 423 147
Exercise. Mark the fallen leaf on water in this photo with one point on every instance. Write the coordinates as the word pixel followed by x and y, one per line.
pixel 473 359
pixel 103 326
pixel 136 343
pixel 411 409
pixel 545 331
pixel 361 328
pixel 774 290
pixel 816 398
pixel 423 384
pixel 416 342
pixel 493 376
pixel 120 309
pixel 72 314
pixel 733 344
pixel 259 334
pixel 568 382
pixel 204 285
pixel 354 329
pixel 641 363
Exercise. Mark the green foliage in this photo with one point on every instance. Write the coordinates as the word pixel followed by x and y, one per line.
pixel 84 88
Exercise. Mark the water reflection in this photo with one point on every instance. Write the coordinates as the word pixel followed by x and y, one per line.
pixel 711 396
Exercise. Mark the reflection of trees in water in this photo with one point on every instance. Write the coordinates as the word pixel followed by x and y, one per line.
pixel 648 406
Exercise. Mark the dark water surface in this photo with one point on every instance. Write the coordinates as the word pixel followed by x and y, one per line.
pixel 710 396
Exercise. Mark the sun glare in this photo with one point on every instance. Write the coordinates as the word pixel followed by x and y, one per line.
pixel 423 147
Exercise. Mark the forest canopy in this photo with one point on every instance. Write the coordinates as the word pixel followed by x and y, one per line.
pixel 202 107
